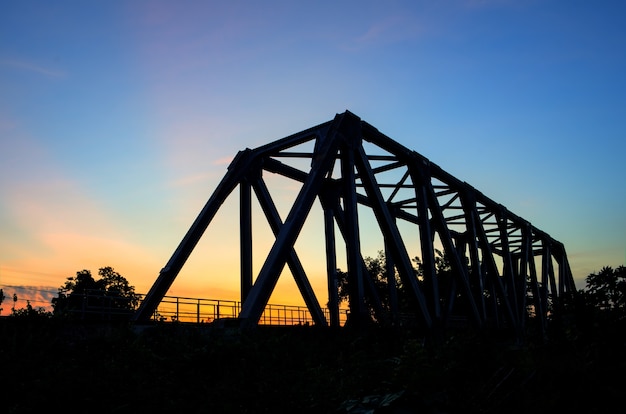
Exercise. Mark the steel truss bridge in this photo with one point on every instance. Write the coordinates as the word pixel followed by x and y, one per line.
pixel 503 269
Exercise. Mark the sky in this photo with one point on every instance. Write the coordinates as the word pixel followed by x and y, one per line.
pixel 119 118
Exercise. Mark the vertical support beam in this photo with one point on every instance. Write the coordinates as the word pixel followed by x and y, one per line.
pixel 469 207
pixel 358 311
pixel 369 287
pixel 551 275
pixel 496 300
pixel 390 271
pixel 537 296
pixel 525 254
pixel 323 160
pixel 390 232
pixel 566 280
pixel 237 169
pixel 494 279
pixel 421 179
pixel 245 237
pixel 453 253
pixel 547 273
pixel 508 272
pixel 331 266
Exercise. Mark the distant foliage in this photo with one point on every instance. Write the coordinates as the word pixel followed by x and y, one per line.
pixel 604 296
pixel 607 288
pixel 397 296
pixel 30 313
pixel 82 296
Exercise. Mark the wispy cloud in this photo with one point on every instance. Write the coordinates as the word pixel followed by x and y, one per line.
pixel 202 177
pixel 223 161
pixel 50 222
pixel 388 30
pixel 189 180
pixel 28 66
pixel 19 296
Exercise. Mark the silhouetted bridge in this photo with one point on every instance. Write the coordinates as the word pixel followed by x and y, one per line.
pixel 502 268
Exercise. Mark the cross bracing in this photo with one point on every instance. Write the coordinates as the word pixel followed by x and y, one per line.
pixel 501 265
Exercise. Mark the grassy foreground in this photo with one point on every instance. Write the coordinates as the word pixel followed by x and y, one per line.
pixel 49 365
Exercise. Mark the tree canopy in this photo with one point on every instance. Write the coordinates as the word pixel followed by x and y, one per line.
pixel 607 289
pixel 391 293
pixel 109 297
pixel 603 300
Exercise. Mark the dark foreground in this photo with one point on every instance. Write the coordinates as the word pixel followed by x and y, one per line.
pixel 50 366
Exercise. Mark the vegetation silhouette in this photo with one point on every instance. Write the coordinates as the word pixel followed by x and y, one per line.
pixel 385 298
pixel 390 294
pixel 185 368
pixel 83 297
pixel 600 308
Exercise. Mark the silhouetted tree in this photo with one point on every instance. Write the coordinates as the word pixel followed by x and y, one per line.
pixel 110 297
pixel 604 295
pixel 600 308
pixel 607 289
pixel 376 270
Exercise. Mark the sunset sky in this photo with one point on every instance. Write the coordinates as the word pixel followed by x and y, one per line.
pixel 119 118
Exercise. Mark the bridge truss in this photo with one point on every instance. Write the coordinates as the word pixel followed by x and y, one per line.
pixel 503 269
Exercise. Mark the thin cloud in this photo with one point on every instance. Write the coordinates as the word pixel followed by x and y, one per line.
pixel 223 161
pixel 190 180
pixel 50 216
pixel 388 30
pixel 37 296
pixel 32 67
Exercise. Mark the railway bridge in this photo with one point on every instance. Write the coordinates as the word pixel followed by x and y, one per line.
pixel 502 270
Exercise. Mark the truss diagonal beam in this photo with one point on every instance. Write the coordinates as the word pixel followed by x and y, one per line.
pixel 294 263
pixel 391 233
pixel 236 172
pixel 323 159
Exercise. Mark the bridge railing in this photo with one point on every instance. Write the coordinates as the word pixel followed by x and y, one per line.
pixel 197 310
pixel 99 305
pixel 201 310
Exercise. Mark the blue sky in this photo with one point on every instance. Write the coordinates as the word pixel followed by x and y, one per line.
pixel 119 118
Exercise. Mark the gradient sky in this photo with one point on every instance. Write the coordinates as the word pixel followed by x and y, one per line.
pixel 119 118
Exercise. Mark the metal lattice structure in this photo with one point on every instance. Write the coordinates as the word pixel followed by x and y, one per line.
pixel 502 266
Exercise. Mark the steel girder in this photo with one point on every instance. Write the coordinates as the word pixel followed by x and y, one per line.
pixel 494 254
